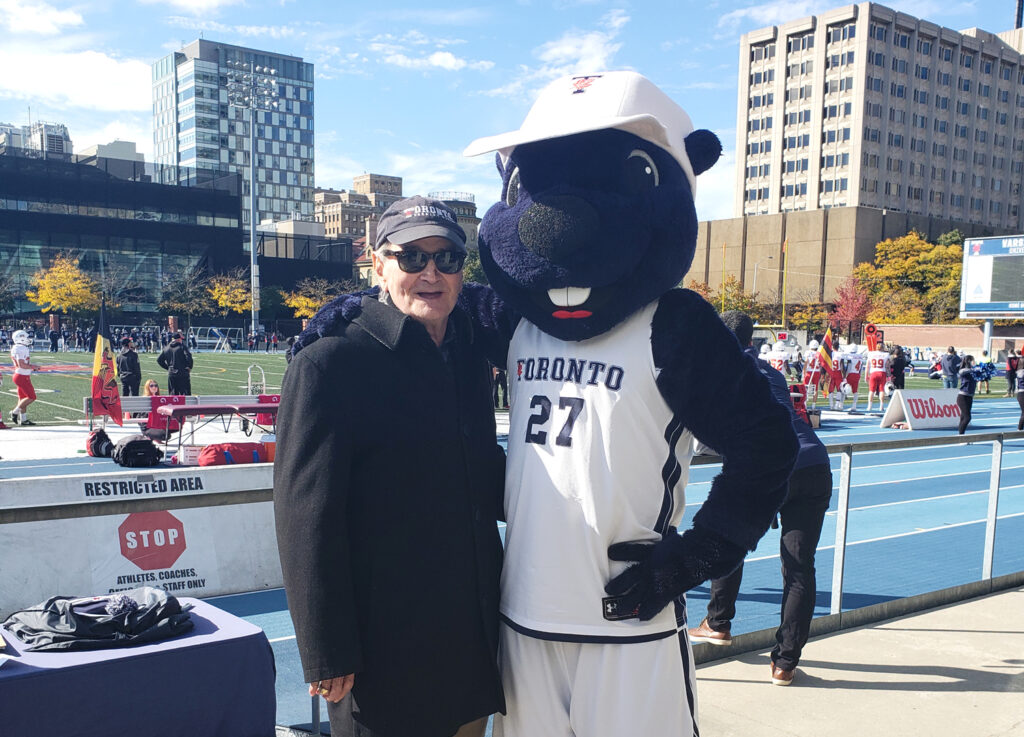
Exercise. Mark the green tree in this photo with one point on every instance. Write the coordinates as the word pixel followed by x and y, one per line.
pixel 272 306
pixel 952 238
pixel 473 271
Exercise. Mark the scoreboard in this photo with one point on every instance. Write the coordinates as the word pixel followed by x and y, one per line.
pixel 992 285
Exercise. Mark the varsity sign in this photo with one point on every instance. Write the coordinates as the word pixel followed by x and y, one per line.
pixel 921 409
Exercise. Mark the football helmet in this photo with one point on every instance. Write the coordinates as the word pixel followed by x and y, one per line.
pixel 813 345
pixel 20 337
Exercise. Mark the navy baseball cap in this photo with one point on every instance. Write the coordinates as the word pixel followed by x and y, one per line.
pixel 419 217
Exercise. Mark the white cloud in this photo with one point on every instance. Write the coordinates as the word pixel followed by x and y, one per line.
pixel 194 7
pixel 437 60
pixel 283 31
pixel 84 79
pixel 27 17
pixel 775 13
pixel 575 52
pixel 134 128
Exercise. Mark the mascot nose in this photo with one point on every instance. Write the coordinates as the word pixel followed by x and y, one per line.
pixel 558 227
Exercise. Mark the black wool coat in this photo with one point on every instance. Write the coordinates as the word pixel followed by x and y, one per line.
pixel 387 488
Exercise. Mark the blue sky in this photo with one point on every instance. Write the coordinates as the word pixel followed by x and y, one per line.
pixel 402 87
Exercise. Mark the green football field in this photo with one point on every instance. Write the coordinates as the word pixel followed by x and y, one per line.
pixel 66 379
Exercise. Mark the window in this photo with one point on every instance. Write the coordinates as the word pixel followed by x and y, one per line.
pixel 877 58
pixel 945 53
pixel 966 60
pixel 897 90
pixel 960 131
pixel 986 65
pixel 982 113
pixel 899 65
pixel 921 72
pixel 940 126
pixel 985 90
pixel 921 96
pixel 964 84
pixel 924 47
pixel 896 139
pixel 874 84
pixel 901 38
pixel 943 79
pixel 878 31
pixel 920 121
pixel 963 108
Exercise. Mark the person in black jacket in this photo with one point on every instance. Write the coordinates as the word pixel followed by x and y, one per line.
pixel 128 368
pixel 387 488
pixel 178 362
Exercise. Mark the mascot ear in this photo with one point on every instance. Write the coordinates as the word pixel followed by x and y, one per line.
pixel 498 163
pixel 703 148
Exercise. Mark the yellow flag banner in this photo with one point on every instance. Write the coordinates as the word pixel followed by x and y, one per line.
pixel 106 399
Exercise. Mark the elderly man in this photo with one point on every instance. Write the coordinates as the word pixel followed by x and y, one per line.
pixel 387 486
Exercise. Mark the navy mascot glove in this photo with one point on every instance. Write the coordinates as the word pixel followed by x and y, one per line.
pixel 668 568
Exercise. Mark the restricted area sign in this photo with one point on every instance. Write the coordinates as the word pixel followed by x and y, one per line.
pixel 152 540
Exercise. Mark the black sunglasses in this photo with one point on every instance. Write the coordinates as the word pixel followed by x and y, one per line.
pixel 413 261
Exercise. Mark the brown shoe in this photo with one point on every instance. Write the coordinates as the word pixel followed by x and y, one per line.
pixel 704 633
pixel 782 677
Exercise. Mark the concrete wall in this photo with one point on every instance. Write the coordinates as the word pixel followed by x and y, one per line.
pixel 824 247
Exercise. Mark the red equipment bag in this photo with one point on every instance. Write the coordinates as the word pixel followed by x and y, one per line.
pixel 223 454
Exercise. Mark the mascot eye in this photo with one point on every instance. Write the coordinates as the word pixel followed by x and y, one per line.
pixel 512 193
pixel 641 172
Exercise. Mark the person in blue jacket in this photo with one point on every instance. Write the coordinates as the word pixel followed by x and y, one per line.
pixel 802 515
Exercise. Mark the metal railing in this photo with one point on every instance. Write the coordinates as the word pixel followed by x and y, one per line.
pixel 741 643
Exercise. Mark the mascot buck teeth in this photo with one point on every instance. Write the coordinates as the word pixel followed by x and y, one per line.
pixel 613 371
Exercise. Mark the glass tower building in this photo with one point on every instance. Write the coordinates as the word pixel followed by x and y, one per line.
pixel 194 126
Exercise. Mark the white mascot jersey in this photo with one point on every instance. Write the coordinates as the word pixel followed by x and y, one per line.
pixel 582 474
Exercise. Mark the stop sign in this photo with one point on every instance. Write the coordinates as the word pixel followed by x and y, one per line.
pixel 152 540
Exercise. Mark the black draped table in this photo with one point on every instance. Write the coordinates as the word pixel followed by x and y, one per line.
pixel 217 679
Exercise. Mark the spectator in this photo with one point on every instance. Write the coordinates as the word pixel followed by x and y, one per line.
pixel 986 363
pixel 500 382
pixel 965 398
pixel 158 427
pixel 273 339
pixel 402 613
pixel 1020 393
pixel 177 359
pixel 1012 364
pixel 54 337
pixel 802 515
pixel 128 368
pixel 950 369
pixel 897 367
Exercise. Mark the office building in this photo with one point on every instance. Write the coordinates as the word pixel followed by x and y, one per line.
pixel 354 213
pixel 864 106
pixel 463 204
pixel 37 138
pixel 195 126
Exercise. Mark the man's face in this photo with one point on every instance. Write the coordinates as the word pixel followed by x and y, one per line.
pixel 429 296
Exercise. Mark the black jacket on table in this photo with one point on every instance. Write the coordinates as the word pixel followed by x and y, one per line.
pixel 387 488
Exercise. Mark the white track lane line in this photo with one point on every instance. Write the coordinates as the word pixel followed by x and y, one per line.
pixel 897 535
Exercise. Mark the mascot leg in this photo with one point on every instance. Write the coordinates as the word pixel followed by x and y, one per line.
pixel 557 689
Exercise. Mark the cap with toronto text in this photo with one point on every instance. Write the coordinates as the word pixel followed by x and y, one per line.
pixel 419 217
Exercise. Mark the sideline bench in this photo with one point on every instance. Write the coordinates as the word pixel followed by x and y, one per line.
pixel 245 412
pixel 144 405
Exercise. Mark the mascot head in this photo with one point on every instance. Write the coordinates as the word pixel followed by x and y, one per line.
pixel 597 214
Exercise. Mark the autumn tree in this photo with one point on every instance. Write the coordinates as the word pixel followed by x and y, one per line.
pixel 186 292
pixel 313 293
pixel 852 305
pixel 64 287
pixel 912 280
pixel 810 316
pixel 230 292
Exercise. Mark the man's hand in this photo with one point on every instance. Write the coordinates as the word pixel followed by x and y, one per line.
pixel 333 689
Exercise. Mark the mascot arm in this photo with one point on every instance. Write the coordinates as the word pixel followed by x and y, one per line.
pixel 493 322
pixel 723 399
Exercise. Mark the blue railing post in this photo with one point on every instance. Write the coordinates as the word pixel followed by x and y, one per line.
pixel 842 513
